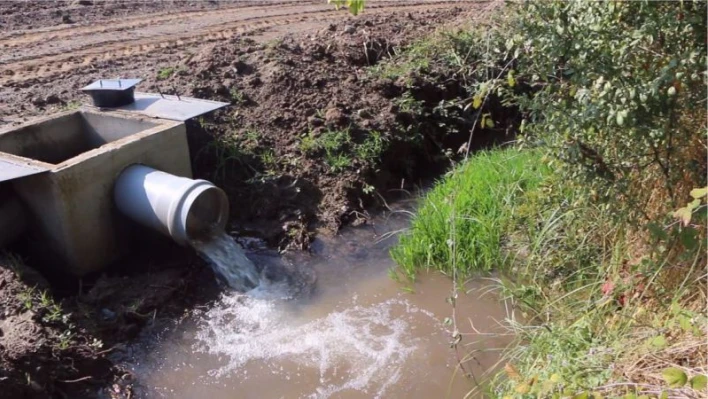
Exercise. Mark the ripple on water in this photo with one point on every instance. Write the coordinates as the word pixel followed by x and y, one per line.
pixel 368 344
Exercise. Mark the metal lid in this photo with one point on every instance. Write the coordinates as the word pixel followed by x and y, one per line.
pixel 111 93
pixel 176 108
pixel 111 85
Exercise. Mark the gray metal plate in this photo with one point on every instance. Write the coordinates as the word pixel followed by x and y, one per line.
pixel 11 168
pixel 171 107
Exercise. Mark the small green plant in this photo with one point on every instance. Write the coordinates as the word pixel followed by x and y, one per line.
pixel 309 144
pixel 338 163
pixel 52 311
pixel 237 96
pixel 407 103
pixel 340 151
pixel 225 150
pixel 96 343
pixel 65 339
pixel 371 149
pixel 270 161
pixel 71 105
pixel 27 298
pixel 335 144
pixel 166 73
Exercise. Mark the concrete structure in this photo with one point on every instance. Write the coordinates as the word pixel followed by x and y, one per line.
pixel 71 214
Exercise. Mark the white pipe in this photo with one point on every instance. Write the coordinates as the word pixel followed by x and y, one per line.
pixel 178 207
pixel 13 221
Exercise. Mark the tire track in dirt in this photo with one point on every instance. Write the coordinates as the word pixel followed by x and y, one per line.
pixel 59 61
pixel 42 45
pixel 25 38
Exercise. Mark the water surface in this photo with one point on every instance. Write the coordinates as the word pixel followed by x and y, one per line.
pixel 359 334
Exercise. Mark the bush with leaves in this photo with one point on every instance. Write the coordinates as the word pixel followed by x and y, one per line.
pixel 615 90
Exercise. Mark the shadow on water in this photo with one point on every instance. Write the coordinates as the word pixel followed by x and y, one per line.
pixel 351 332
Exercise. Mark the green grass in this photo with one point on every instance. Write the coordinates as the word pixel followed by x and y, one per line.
pixel 460 223
pixel 413 58
pixel 339 151
pixel 591 310
pixel 372 148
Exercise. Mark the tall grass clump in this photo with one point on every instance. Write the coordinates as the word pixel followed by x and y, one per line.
pixel 461 221
pixel 608 313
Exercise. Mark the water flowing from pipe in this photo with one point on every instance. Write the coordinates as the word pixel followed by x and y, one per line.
pixel 227 259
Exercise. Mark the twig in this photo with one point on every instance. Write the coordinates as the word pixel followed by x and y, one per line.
pixel 88 377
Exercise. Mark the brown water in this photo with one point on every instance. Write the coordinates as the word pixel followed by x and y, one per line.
pixel 358 335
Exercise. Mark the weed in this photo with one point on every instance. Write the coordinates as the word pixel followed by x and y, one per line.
pixel 371 149
pixel 237 96
pixel 65 339
pixel 407 103
pixel 71 105
pixel 270 162
pixel 309 144
pixel 27 298
pixel 334 143
pixel 340 151
pixel 416 57
pixel 595 313
pixel 338 163
pixel 224 150
pixel 96 343
pixel 251 137
pixel 166 73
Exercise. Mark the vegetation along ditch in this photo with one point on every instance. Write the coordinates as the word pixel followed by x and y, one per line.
pixel 508 198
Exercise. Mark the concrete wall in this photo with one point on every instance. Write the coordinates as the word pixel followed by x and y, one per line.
pixel 71 208
pixel 64 136
pixel 50 140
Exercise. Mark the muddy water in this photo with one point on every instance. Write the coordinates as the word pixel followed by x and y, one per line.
pixel 359 334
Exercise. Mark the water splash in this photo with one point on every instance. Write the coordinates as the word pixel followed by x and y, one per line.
pixel 228 261
pixel 360 348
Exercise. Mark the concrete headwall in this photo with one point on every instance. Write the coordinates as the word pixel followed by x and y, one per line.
pixel 72 214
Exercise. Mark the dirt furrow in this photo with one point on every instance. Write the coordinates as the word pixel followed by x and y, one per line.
pixel 76 32
pixel 63 59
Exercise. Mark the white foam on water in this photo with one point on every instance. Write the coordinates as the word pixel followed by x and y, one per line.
pixel 361 348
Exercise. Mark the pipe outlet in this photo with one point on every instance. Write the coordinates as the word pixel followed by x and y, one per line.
pixel 179 207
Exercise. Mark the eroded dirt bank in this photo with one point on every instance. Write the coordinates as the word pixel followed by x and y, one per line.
pixel 314 135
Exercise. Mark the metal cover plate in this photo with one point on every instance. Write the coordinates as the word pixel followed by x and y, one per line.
pixel 13 168
pixel 171 107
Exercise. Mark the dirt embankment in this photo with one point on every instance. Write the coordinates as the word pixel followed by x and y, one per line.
pixel 314 135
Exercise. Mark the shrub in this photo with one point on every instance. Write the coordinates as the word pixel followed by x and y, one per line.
pixel 611 89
